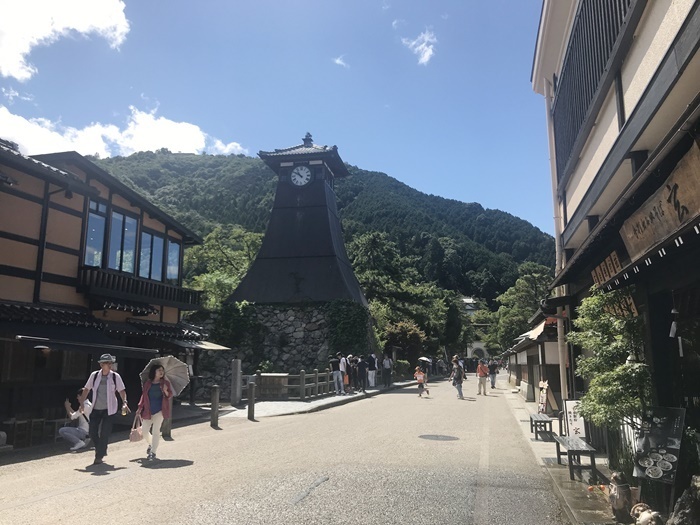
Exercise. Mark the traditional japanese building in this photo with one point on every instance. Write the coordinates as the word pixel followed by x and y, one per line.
pixel 87 266
pixel 621 85
pixel 302 264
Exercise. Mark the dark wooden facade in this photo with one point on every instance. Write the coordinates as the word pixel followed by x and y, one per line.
pixel 87 266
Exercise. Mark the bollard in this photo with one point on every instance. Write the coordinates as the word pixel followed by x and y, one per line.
pixel 316 382
pixel 167 425
pixel 251 401
pixel 302 384
pixel 215 406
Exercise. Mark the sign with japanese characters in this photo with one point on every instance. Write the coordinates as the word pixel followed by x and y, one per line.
pixel 658 444
pixel 575 425
pixel 674 204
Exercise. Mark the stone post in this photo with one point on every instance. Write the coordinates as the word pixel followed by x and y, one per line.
pixel 316 382
pixel 236 382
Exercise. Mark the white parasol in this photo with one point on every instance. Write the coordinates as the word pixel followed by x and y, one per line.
pixel 176 372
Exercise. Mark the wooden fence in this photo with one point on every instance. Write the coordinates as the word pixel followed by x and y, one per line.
pixel 301 386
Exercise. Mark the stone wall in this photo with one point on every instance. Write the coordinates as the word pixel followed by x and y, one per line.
pixel 293 338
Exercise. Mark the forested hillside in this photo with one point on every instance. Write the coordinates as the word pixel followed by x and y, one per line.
pixel 458 246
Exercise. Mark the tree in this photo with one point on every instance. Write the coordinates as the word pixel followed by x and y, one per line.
pixel 219 264
pixel 612 336
pixel 408 337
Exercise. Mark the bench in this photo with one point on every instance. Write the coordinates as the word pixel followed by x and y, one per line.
pixel 540 423
pixel 575 447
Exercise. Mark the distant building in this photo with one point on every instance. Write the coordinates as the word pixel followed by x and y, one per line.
pixel 476 348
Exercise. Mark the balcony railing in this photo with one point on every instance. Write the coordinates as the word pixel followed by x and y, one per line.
pixel 111 284
pixel 596 29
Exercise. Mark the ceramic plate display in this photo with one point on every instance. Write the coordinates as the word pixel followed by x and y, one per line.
pixel 654 472
pixel 646 462
pixel 655 456
pixel 664 465
pixel 670 458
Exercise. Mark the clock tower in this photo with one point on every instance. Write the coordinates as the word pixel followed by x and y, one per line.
pixel 302 258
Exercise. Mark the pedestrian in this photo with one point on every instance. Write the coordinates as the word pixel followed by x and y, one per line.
pixel 104 384
pixel 422 378
pixel 344 371
pixel 387 365
pixel 493 371
pixel 337 374
pixel 362 370
pixel 372 370
pixel 77 436
pixel 457 376
pixel 351 370
pixel 482 372
pixel 154 407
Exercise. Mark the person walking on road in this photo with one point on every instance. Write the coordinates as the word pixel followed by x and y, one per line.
pixel 77 436
pixel 482 372
pixel 387 365
pixel 154 407
pixel 422 378
pixel 104 384
pixel 362 371
pixel 493 371
pixel 337 374
pixel 457 377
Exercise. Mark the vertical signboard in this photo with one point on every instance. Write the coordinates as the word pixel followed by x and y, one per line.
pixel 575 425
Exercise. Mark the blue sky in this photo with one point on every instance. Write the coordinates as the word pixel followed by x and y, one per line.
pixel 434 93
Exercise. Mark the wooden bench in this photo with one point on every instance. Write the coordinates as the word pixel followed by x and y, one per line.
pixel 540 423
pixel 575 447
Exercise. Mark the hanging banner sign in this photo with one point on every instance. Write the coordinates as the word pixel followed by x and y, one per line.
pixel 575 424
pixel 606 270
pixel 658 444
pixel 673 205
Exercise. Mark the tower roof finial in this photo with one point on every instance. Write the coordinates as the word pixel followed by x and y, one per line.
pixel 308 141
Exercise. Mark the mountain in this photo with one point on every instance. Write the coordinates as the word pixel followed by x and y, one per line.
pixel 461 246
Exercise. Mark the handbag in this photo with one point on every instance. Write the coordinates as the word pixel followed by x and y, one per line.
pixel 346 379
pixel 136 434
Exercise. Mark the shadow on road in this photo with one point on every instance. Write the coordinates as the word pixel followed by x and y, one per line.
pixel 103 469
pixel 165 463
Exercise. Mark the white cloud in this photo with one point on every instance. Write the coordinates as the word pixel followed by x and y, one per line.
pixel 32 23
pixel 423 46
pixel 11 94
pixel 385 5
pixel 397 22
pixel 339 60
pixel 144 131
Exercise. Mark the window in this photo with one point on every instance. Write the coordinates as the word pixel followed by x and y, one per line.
pixel 173 270
pixel 151 257
pixel 95 237
pixel 122 242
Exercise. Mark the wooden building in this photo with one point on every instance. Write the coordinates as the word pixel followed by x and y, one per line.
pixel 621 84
pixel 87 266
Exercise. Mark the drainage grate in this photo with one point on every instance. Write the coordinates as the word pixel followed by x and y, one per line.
pixel 438 437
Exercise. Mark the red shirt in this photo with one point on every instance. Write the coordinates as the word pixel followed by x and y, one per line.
pixel 482 370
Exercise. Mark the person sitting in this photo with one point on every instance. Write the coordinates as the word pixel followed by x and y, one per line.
pixel 77 436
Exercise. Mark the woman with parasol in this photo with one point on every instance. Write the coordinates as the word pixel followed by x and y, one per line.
pixel 154 406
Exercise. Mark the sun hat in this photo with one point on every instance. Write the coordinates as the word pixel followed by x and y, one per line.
pixel 106 358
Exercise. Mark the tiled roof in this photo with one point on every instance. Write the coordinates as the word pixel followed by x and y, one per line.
pixel 306 149
pixel 36 314
pixel 10 152
pixel 180 331
pixel 128 306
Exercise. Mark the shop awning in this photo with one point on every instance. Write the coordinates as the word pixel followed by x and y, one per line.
pixel 201 345
pixel 89 347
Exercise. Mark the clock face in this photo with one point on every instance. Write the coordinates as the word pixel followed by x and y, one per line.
pixel 301 175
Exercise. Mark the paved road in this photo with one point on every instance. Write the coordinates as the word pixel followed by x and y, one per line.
pixel 393 458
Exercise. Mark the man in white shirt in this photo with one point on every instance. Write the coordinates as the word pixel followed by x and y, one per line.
pixel 343 370
pixel 77 436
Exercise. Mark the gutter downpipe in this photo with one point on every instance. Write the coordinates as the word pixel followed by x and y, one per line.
pixel 561 335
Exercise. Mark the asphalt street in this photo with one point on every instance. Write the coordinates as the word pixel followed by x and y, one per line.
pixel 392 458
